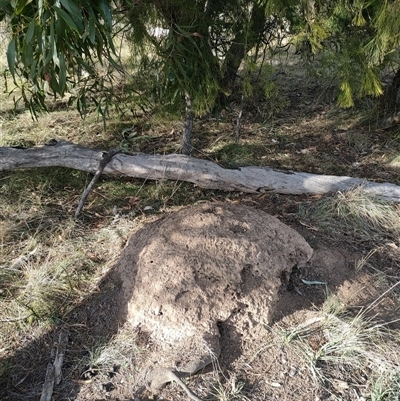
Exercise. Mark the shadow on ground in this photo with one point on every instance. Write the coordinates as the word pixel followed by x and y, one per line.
pixel 95 321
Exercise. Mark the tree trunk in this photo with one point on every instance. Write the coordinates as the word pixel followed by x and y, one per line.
pixel 202 173
pixel 187 127
pixel 245 40
pixel 390 102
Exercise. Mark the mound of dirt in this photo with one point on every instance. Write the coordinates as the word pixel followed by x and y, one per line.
pixel 184 275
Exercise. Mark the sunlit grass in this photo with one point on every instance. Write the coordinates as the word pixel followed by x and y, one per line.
pixel 343 351
pixel 231 389
pixel 355 214
pixel 123 347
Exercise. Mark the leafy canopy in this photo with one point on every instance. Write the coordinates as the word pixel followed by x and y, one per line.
pixel 53 40
pixel 200 48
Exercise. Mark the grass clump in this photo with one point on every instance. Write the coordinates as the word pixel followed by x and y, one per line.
pixel 231 389
pixel 234 155
pixel 347 354
pixel 355 215
pixel 44 285
pixel 101 358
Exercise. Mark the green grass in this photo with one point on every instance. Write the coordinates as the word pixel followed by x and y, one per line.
pixel 230 389
pixel 234 155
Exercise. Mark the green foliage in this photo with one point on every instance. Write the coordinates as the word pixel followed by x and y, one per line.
pixel 179 58
pixel 364 39
pixel 53 42
pixel 359 38
pixel 197 51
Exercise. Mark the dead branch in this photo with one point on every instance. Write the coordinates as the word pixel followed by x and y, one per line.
pixel 53 372
pixel 106 159
pixel 202 173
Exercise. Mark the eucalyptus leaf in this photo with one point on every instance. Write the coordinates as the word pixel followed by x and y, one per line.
pixel 4 3
pixel 62 76
pixel 11 57
pixel 105 8
pixel 30 32
pixel 92 27
pixel 72 8
pixel 20 5
pixel 66 17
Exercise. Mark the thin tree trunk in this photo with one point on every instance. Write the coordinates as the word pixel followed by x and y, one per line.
pixel 390 103
pixel 187 127
pixel 245 40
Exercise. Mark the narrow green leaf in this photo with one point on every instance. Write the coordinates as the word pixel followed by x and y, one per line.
pixel 34 71
pixel 54 84
pixel 65 16
pixel 60 26
pixel 21 5
pixel 11 57
pixel 4 3
pixel 72 8
pixel 48 51
pixel 62 75
pixel 27 54
pixel 82 105
pixel 53 44
pixel 100 47
pixel 30 32
pixel 106 11
pixel 74 12
pixel 92 27
pixel 110 42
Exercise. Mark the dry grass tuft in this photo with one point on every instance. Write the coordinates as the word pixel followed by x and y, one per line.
pixel 50 262
pixel 231 389
pixel 355 215
pixel 348 356
pixel 123 347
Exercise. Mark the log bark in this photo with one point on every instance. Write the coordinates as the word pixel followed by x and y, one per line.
pixel 202 173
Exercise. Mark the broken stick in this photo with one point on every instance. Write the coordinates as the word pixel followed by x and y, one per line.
pixel 103 163
pixel 53 372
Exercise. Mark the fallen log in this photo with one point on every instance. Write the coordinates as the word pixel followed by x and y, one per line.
pixel 203 173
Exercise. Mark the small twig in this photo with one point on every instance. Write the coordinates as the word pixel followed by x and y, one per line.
pixel 102 165
pixel 15 319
